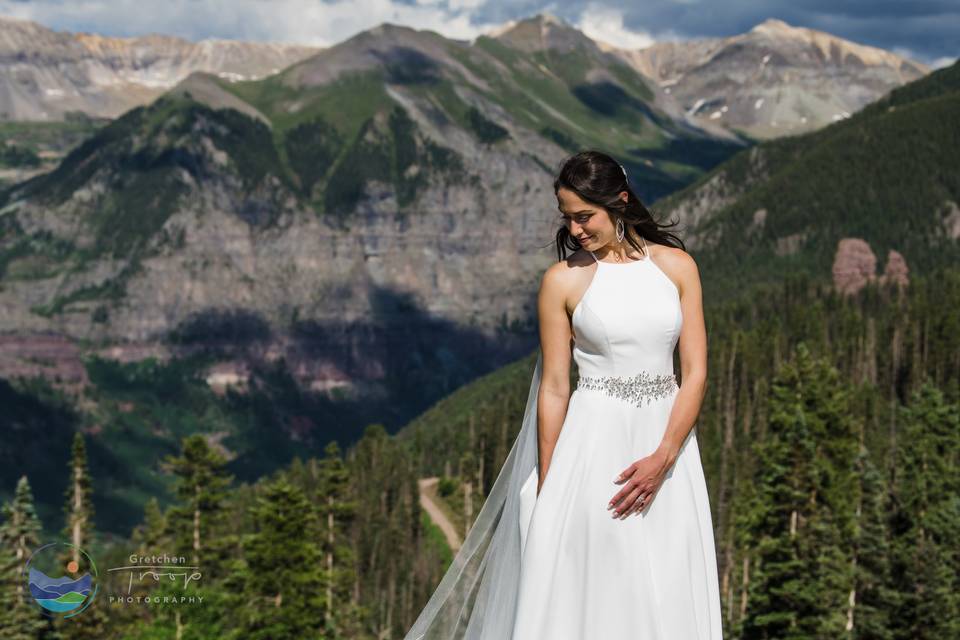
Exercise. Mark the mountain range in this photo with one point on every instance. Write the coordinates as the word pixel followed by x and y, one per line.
pixel 398 178
pixel 368 227
pixel 48 74
pixel 349 192
pixel 774 80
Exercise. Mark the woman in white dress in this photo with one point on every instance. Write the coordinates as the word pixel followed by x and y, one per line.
pixel 599 524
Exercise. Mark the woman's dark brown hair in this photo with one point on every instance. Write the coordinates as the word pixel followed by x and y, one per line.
pixel 598 179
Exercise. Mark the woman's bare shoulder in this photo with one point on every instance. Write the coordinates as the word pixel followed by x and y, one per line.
pixel 564 274
pixel 676 263
pixel 561 269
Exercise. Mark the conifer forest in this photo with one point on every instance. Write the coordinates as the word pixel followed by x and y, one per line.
pixel 830 436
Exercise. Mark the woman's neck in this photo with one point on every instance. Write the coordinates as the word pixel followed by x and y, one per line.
pixel 621 252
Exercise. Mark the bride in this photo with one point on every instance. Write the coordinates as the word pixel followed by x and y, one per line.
pixel 598 525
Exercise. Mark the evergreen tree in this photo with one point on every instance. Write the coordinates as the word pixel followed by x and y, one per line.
pixel 803 514
pixel 874 599
pixel 926 536
pixel 153 531
pixel 19 537
pixel 201 488
pixel 283 592
pixel 195 525
pixel 79 507
pixel 79 531
pixel 336 509
pixel 384 481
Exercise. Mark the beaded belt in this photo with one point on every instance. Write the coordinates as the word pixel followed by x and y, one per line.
pixel 635 389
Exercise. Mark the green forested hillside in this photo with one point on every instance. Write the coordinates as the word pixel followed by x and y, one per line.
pixel 800 377
pixel 829 437
pixel 886 175
pixel 820 409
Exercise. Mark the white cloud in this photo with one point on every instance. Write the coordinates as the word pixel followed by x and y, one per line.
pixel 606 24
pixel 310 22
pixel 940 63
pixel 934 63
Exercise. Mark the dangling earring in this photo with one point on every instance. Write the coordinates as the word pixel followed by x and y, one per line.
pixel 620 230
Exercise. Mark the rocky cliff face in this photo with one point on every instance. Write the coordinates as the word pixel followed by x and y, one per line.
pixel 467 253
pixel 178 225
pixel 45 74
pixel 396 161
pixel 775 79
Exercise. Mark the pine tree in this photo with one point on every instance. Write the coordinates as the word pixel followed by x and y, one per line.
pixel 19 537
pixel 79 506
pixel 875 599
pixel 802 517
pixel 283 592
pixel 926 536
pixel 336 510
pixel 153 531
pixel 201 485
pixel 79 531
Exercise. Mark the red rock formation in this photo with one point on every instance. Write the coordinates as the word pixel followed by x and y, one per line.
pixel 853 266
pixel 896 271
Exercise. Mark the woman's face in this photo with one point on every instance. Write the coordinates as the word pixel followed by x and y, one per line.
pixel 587 222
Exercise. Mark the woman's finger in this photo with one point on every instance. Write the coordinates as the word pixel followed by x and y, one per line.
pixel 620 497
pixel 637 505
pixel 649 498
pixel 623 505
pixel 626 473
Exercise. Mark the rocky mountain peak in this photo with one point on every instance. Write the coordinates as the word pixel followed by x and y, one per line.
pixel 389 29
pixel 832 49
pixel 541 32
pixel 774 80
pixel 387 46
pixel 773 25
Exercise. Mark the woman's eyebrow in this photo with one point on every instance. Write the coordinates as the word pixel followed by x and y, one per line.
pixel 576 212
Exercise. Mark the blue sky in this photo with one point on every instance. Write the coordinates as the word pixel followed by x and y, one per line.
pixel 924 30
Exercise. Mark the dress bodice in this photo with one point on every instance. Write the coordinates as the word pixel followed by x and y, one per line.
pixel 628 320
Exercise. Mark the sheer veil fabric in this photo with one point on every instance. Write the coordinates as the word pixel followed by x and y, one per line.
pixel 477 597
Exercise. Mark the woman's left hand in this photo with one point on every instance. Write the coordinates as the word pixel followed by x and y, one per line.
pixel 643 478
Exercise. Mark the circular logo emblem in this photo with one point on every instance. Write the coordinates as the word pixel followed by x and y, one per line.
pixel 62 579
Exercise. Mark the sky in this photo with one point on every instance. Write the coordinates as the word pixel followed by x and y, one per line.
pixel 924 30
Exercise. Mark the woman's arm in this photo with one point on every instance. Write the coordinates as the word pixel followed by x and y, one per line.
pixel 646 475
pixel 555 336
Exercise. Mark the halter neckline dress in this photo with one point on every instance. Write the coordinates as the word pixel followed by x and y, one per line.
pixel 585 575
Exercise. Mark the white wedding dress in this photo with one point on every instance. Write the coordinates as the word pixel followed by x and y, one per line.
pixel 557 566
pixel 584 574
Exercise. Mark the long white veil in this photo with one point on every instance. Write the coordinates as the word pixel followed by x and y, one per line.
pixel 477 597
